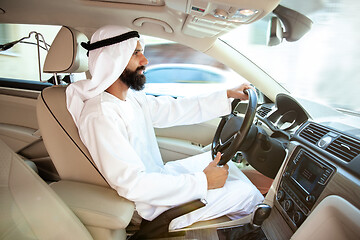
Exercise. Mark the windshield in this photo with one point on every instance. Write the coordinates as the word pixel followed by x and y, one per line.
pixel 323 65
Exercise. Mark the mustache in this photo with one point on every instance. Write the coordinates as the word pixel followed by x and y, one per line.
pixel 141 68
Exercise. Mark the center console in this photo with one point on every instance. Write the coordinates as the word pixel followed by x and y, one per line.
pixel 303 180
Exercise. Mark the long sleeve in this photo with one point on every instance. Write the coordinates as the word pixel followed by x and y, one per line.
pixel 166 111
pixel 108 142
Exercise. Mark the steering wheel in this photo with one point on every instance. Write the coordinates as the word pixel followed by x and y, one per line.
pixel 231 134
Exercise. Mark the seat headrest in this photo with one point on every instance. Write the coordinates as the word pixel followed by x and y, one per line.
pixel 65 54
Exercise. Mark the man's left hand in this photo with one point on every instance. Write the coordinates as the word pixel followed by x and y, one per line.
pixel 238 92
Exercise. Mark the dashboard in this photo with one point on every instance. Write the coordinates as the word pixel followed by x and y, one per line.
pixel 323 159
pixel 285 116
pixel 287 121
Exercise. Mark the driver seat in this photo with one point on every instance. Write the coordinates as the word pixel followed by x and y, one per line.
pixel 104 213
pixel 58 130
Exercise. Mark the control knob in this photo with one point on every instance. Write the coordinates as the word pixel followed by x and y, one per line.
pixel 288 205
pixel 280 195
pixel 310 199
pixel 298 217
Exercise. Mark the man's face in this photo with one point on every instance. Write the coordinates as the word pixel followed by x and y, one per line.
pixel 133 75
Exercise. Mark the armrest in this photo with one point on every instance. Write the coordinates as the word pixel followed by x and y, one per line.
pixel 95 205
pixel 159 227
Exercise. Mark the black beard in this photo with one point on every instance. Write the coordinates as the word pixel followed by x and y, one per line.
pixel 133 79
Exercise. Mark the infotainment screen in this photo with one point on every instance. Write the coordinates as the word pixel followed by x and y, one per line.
pixel 307 173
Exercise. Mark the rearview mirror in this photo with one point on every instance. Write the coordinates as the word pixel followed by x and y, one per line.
pixel 274 32
pixel 295 24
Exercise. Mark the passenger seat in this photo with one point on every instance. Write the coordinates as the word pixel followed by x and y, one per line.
pixel 29 208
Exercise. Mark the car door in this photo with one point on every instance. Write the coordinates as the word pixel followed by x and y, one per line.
pixel 185 141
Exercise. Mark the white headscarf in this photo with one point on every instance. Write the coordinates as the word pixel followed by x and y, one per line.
pixel 105 65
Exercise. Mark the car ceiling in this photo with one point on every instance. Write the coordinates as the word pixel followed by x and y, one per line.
pixel 156 15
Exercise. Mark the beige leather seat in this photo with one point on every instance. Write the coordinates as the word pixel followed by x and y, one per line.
pixel 29 208
pixel 82 187
pixel 69 155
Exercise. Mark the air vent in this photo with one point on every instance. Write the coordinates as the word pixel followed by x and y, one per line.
pixel 344 148
pixel 263 111
pixel 313 133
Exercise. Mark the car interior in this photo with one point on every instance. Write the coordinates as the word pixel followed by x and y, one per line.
pixel 303 156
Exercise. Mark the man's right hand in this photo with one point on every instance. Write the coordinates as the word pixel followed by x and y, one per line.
pixel 216 176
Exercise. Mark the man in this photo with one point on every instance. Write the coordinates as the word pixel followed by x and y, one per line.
pixel 116 122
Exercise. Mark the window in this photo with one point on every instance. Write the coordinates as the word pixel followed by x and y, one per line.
pixel 4 35
pixel 21 61
pixel 323 65
pixel 177 70
pixel 163 73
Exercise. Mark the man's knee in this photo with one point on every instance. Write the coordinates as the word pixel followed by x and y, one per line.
pixel 242 192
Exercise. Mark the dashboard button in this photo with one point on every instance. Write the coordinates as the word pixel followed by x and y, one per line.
pixel 286 174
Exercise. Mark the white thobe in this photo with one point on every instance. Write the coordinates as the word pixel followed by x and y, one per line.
pixel 121 140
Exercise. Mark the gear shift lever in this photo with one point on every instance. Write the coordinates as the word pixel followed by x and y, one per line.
pixel 250 230
pixel 261 212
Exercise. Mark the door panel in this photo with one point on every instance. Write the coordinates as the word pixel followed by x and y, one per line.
pixel 174 149
pixel 20 131
pixel 185 141
pixel 201 133
pixel 18 137
pixel 18 122
pixel 18 110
